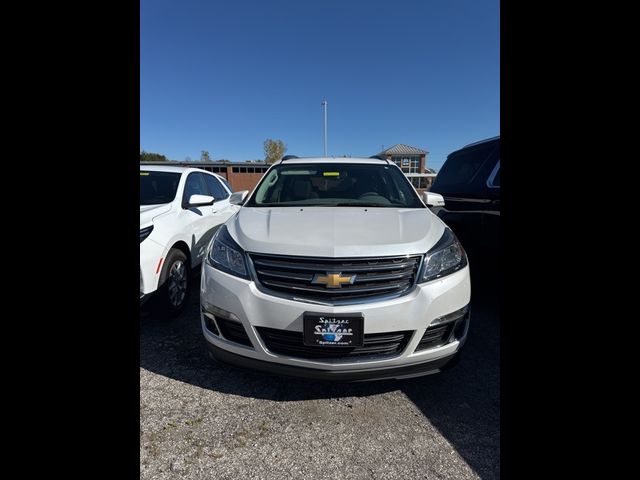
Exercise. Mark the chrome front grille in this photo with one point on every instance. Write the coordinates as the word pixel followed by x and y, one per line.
pixel 360 278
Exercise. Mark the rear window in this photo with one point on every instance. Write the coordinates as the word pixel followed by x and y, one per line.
pixel 462 166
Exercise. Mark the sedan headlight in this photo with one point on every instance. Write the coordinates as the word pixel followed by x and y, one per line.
pixel 145 232
pixel 446 256
pixel 226 255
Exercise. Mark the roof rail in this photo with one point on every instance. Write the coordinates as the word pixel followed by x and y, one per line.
pixel 288 157
pixel 482 141
pixel 378 157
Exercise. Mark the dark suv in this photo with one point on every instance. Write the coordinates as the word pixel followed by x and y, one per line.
pixel 469 181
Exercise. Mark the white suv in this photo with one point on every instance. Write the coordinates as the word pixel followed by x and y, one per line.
pixel 180 210
pixel 334 268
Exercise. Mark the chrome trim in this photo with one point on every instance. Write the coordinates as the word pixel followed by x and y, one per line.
pixel 355 301
pixel 335 290
pixel 492 177
pixel 312 277
pixel 323 266
pixel 468 200
pixel 488 212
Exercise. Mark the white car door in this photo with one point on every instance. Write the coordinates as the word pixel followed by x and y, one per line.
pixel 197 220
pixel 222 208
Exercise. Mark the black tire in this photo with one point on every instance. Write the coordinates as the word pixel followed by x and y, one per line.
pixel 213 360
pixel 175 284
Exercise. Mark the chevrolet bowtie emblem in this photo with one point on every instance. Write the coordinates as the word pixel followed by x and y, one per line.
pixel 333 280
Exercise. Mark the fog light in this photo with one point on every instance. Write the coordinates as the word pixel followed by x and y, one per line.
pixel 461 326
pixel 450 317
pixel 210 322
pixel 210 310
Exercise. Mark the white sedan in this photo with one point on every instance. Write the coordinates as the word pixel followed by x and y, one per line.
pixel 180 210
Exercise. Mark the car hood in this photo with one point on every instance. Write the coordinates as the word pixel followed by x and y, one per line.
pixel 149 212
pixel 336 231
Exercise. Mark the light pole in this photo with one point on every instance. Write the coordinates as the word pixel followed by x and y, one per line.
pixel 324 103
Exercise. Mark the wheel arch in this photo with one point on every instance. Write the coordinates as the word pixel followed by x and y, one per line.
pixel 184 248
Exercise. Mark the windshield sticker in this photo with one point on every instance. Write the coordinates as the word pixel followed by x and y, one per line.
pixel 298 172
pixel 144 173
pixel 331 174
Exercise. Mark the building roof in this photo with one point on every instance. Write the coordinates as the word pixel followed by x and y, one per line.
pixel 402 149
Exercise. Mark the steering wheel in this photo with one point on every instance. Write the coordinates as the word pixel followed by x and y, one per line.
pixel 369 194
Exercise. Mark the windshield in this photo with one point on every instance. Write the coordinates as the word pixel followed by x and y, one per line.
pixel 158 187
pixel 335 185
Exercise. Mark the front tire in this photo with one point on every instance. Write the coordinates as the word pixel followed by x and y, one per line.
pixel 175 283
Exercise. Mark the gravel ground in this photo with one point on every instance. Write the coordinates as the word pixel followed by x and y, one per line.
pixel 199 419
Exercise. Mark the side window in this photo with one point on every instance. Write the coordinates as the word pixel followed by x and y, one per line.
pixel 224 180
pixel 494 179
pixel 194 186
pixel 397 193
pixel 216 190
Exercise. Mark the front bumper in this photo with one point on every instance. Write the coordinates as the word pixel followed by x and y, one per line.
pixel 355 375
pixel 151 257
pixel 412 312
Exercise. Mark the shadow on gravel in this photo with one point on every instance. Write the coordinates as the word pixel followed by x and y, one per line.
pixel 463 403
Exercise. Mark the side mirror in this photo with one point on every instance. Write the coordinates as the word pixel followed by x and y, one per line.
pixel 237 198
pixel 200 201
pixel 433 199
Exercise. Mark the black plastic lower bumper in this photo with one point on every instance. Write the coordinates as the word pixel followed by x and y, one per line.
pixel 396 372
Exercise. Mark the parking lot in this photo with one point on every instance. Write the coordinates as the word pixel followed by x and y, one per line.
pixel 199 419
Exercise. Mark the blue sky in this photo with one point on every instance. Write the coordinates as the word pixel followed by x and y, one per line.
pixel 225 75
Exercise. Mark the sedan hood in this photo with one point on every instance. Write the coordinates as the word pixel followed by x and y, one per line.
pixel 336 231
pixel 149 212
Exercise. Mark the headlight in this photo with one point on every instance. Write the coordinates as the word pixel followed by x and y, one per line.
pixel 446 256
pixel 226 255
pixel 144 232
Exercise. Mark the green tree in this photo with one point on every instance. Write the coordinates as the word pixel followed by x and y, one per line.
pixel 152 157
pixel 273 150
pixel 204 156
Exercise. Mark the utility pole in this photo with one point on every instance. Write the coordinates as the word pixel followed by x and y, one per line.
pixel 324 103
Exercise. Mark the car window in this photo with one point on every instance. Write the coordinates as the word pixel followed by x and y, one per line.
pixel 496 180
pixel 194 186
pixel 158 187
pixel 460 167
pixel 335 185
pixel 216 190
pixel 224 180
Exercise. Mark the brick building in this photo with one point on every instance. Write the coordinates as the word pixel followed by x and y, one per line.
pixel 413 162
pixel 241 176
pixel 245 176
